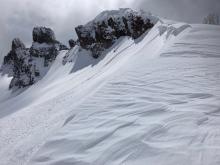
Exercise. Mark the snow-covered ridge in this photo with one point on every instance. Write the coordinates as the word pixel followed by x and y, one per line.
pixel 123 12
pixel 103 31
pixel 160 106
pixel 29 65
pixel 154 99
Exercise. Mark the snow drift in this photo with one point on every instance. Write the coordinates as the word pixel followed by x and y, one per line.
pixel 154 99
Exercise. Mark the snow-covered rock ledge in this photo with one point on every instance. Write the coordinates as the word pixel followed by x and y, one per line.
pixel 102 32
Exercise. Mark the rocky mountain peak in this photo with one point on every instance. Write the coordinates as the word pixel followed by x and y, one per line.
pixel 17 43
pixel 25 64
pixel 43 35
pixel 28 65
pixel 102 32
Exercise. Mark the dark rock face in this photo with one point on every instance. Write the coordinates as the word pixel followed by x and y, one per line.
pixel 45 45
pixel 72 43
pixel 16 64
pixel 17 43
pixel 47 52
pixel 107 27
pixel 25 64
pixel 43 35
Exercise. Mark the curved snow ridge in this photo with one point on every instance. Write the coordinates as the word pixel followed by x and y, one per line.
pixel 173 29
pixel 157 110
pixel 28 119
pixel 199 41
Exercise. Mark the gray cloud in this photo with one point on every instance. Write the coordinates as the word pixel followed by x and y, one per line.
pixel 18 17
pixel 192 11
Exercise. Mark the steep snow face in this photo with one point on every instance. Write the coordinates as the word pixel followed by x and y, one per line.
pixel 161 108
pixel 102 32
pixel 155 100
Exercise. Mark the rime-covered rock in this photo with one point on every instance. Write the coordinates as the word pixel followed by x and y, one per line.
pixel 43 35
pixel 17 64
pixel 72 43
pixel 28 65
pixel 107 27
pixel 45 45
pixel 17 43
pixel 48 52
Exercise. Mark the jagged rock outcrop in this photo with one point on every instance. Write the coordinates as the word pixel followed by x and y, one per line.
pixel 16 64
pixel 17 43
pixel 72 43
pixel 43 35
pixel 45 45
pixel 106 28
pixel 28 65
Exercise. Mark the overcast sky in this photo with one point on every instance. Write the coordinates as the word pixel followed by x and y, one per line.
pixel 18 17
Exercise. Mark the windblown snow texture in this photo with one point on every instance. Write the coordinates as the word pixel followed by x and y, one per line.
pixel 151 100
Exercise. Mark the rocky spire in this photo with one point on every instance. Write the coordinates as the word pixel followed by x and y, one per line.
pixel 23 64
pixel 43 35
pixel 17 43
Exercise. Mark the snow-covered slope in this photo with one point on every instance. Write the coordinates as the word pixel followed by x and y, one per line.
pixel 154 100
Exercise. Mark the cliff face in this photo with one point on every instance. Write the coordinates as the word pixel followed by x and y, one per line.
pixel 28 65
pixel 106 28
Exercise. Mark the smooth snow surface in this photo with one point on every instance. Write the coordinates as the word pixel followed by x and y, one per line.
pixel 153 101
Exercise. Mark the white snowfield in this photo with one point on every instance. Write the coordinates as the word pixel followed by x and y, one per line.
pixel 154 101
